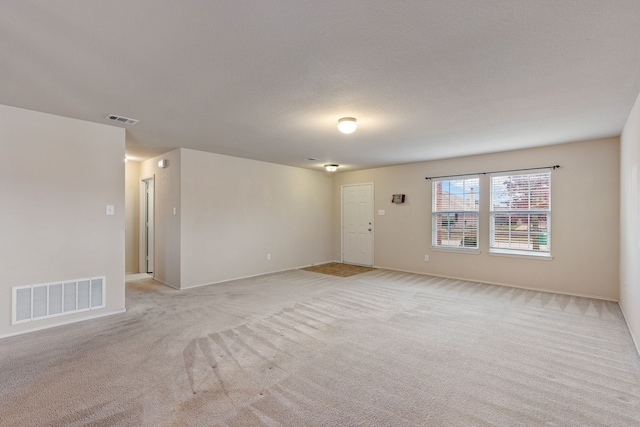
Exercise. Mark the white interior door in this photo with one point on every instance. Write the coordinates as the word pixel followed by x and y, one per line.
pixel 357 224
pixel 146 229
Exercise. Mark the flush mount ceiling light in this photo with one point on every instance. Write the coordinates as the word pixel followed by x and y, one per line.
pixel 347 125
pixel 331 168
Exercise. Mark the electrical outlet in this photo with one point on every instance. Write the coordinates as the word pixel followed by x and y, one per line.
pixel 426 257
pixel 268 257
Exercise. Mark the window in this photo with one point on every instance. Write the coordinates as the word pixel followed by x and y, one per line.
pixel 521 213
pixel 455 213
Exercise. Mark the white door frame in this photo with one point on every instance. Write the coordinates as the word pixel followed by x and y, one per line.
pixel 144 251
pixel 373 229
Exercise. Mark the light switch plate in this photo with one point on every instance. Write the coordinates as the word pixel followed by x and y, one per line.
pixel 380 211
pixel 111 210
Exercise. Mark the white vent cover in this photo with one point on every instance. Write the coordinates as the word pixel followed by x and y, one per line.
pixel 35 302
pixel 121 119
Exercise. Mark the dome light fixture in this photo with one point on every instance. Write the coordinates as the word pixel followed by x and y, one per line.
pixel 347 125
pixel 331 168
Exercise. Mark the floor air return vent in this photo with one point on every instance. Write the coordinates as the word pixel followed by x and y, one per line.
pixel 36 302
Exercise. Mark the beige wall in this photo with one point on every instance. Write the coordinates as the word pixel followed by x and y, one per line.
pixel 167 225
pixel 630 222
pixel 132 216
pixel 231 213
pixel 585 203
pixel 57 177
pixel 236 211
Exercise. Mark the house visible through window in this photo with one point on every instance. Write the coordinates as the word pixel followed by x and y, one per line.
pixel 521 213
pixel 455 213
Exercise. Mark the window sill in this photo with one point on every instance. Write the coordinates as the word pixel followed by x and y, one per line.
pixel 520 254
pixel 471 251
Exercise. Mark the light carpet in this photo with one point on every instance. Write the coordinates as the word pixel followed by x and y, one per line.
pixel 299 348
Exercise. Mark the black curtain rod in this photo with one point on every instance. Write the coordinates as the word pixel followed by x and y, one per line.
pixel 484 173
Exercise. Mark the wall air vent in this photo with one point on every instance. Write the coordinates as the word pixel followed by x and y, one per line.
pixel 120 119
pixel 37 302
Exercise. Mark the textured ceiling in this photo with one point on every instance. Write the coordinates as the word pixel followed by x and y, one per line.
pixel 268 80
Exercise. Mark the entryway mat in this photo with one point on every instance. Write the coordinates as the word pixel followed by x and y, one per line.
pixel 339 269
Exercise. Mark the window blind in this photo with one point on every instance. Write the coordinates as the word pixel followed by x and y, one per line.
pixel 521 213
pixel 455 213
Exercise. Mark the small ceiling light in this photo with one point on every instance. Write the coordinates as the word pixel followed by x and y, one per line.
pixel 347 125
pixel 331 168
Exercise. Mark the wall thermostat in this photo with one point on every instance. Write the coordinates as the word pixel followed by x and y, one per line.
pixel 398 198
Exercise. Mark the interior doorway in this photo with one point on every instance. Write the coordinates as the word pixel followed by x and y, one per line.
pixel 146 225
pixel 357 224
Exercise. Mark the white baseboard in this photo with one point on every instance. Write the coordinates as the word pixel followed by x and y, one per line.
pixel 252 275
pixel 507 285
pixel 63 323
pixel 165 283
pixel 633 338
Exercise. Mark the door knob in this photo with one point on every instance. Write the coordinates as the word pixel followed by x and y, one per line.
pixel 369 229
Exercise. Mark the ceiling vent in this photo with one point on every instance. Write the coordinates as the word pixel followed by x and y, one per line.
pixel 125 120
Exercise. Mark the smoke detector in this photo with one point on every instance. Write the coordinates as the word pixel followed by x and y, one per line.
pixel 121 119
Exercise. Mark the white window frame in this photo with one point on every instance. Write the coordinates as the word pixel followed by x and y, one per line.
pixel 436 240
pixel 530 246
